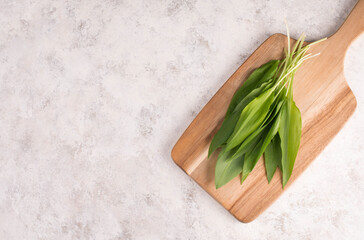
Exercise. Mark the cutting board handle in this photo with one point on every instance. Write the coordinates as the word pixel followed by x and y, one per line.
pixel 352 28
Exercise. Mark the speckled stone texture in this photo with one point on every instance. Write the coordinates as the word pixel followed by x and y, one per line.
pixel 94 94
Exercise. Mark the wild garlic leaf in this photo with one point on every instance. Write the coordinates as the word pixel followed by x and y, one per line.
pixel 274 110
pixel 252 95
pixel 259 76
pixel 290 135
pixel 251 118
pixel 230 121
pixel 224 132
pixel 249 143
pixel 273 157
pixel 250 158
pixel 226 169
pixel 261 80
pixel 267 136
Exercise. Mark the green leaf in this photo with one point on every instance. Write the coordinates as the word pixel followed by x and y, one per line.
pixel 226 169
pixel 270 117
pixel 290 135
pixel 273 157
pixel 252 95
pixel 252 158
pixel 249 143
pixel 224 132
pixel 274 109
pixel 230 121
pixel 253 86
pixel 251 118
pixel 259 76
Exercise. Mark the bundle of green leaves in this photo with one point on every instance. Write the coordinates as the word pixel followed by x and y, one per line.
pixel 262 118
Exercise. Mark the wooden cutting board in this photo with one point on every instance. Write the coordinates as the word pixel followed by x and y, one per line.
pixel 321 93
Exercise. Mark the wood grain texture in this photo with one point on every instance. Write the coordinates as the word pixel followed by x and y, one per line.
pixel 321 93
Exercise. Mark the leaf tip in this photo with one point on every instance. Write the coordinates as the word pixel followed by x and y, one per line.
pixel 210 151
pixel 284 182
pixel 243 177
pixel 218 185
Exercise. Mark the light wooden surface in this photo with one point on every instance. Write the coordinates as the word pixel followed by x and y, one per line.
pixel 321 93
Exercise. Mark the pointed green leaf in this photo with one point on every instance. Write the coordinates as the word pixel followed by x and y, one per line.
pixel 251 118
pixel 259 76
pixel 226 169
pixel 273 157
pixel 257 83
pixel 270 116
pixel 252 158
pixel 249 142
pixel 230 121
pixel 252 95
pixel 224 132
pixel 290 135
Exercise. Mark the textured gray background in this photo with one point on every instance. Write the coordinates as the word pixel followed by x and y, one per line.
pixel 94 94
